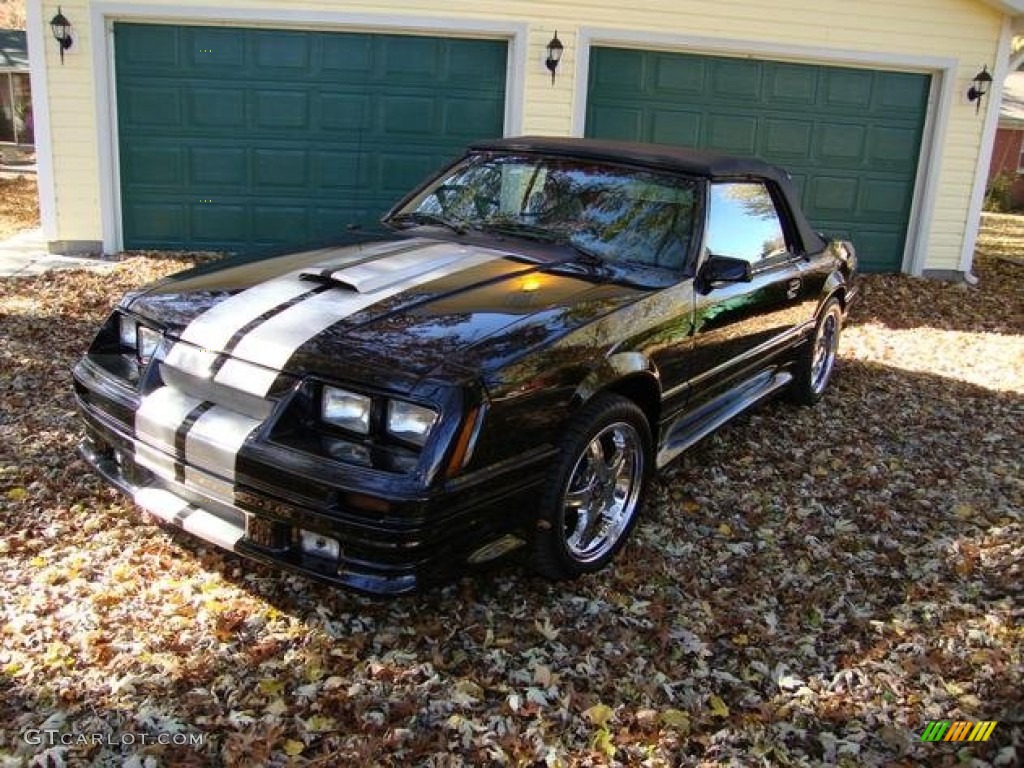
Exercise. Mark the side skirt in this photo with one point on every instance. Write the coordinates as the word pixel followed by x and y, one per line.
pixel 691 427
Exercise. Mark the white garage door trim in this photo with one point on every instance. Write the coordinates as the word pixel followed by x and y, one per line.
pixel 940 101
pixel 103 16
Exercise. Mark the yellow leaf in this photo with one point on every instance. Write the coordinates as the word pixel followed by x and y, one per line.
pixel 320 723
pixel 718 708
pixel 599 714
pixel 741 639
pixel 603 742
pixel 270 686
pixel 17 494
pixel 37 562
pixel 725 530
pixel 293 747
pixel 675 718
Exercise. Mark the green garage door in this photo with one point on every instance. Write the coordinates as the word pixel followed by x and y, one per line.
pixel 850 137
pixel 240 138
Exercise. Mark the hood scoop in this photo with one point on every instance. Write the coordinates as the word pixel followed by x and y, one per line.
pixel 380 274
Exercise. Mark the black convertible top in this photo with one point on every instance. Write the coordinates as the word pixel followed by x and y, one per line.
pixel 694 161
pixel 697 162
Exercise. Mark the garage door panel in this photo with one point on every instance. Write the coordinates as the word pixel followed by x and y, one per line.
pixel 901 92
pixel 397 174
pixel 163 221
pixel 475 62
pixel 736 79
pixel 731 133
pixel 788 138
pixel 612 122
pixel 674 75
pixel 883 200
pixel 149 46
pixel 832 195
pixel 850 137
pixel 278 50
pixel 154 165
pixel 216 223
pixel 349 54
pixel 848 88
pixel 276 170
pixel 330 127
pixel 221 167
pixel 786 83
pixel 344 112
pixel 894 148
pixel 275 110
pixel 214 48
pixel 155 106
pixel 217 108
pixel 406 116
pixel 674 126
pixel 619 69
pixel 839 144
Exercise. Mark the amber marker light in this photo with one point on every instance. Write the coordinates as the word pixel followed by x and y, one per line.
pixel 465 441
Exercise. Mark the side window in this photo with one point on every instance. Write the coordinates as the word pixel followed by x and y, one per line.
pixel 743 222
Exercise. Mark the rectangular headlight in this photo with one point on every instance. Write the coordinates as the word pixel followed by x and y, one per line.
pixel 127 331
pixel 407 421
pixel 345 409
pixel 148 341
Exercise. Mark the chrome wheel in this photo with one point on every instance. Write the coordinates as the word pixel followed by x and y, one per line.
pixel 603 492
pixel 826 342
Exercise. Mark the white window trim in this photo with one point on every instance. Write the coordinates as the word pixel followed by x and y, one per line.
pixel 38 38
pixel 940 101
pixel 104 14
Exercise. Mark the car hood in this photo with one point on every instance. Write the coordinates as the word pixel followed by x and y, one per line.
pixel 398 309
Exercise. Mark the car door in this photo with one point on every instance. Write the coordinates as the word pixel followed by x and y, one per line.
pixel 742 327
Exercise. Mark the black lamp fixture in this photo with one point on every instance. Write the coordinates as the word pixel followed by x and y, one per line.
pixel 979 87
pixel 554 50
pixel 61 28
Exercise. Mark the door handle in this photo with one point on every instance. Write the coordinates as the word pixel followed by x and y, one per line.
pixel 793 289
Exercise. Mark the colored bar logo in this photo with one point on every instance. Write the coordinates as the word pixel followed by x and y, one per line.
pixel 958 730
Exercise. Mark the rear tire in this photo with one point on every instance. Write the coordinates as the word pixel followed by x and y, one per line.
pixel 817 358
pixel 595 491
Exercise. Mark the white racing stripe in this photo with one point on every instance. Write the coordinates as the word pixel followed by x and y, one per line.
pixel 272 344
pixel 175 510
pixel 212 443
pixel 210 332
pixel 215 439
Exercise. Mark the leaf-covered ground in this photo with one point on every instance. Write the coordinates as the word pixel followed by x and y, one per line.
pixel 19 205
pixel 809 585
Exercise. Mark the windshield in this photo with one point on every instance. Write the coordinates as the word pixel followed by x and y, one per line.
pixel 614 213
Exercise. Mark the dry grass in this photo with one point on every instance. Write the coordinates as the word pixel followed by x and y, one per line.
pixel 19 205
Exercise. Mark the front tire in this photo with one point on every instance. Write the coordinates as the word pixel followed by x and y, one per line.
pixel 817 359
pixel 595 491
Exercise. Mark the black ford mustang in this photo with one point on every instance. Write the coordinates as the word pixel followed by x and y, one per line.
pixel 551 321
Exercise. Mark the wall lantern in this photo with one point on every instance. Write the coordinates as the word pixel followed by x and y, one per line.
pixel 979 87
pixel 61 28
pixel 554 50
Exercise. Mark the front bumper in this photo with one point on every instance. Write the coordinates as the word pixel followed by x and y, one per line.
pixel 388 544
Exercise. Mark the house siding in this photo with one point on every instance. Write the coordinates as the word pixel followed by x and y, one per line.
pixel 965 31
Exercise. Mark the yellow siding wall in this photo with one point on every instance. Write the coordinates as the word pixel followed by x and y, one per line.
pixel 965 30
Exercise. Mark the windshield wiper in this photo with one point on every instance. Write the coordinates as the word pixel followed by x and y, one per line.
pixel 416 218
pixel 534 232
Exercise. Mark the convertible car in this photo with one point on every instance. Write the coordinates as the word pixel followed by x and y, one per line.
pixel 548 322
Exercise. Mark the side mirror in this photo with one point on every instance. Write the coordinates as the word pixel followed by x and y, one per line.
pixel 725 269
